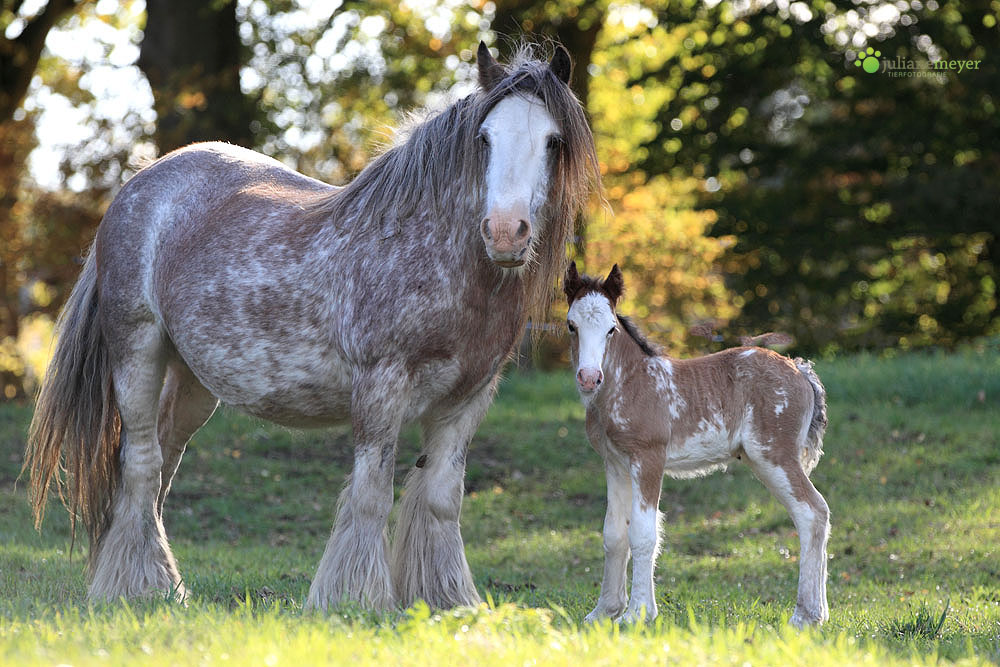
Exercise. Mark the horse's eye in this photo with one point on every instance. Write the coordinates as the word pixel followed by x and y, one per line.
pixel 554 142
pixel 572 327
pixel 611 331
pixel 483 139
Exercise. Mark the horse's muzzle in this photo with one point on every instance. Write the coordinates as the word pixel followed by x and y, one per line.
pixel 507 240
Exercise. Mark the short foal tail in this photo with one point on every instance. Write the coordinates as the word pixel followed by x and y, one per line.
pixel 817 425
pixel 76 428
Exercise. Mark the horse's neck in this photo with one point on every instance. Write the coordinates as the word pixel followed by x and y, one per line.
pixel 501 292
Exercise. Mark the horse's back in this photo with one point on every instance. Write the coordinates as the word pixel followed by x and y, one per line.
pixel 212 246
pixel 205 202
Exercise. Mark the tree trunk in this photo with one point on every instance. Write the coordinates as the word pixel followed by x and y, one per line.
pixel 191 54
pixel 577 30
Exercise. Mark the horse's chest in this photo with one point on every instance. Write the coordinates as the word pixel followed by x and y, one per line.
pixel 465 351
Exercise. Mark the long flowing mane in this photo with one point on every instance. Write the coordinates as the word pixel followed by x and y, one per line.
pixel 437 168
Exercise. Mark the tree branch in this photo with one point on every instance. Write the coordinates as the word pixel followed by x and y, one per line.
pixel 19 56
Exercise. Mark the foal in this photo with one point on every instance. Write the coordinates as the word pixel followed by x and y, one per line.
pixel 648 415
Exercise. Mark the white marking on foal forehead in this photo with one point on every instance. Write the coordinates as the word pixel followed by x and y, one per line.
pixel 591 310
pixel 747 353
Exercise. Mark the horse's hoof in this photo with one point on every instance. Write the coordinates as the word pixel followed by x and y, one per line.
pixel 801 618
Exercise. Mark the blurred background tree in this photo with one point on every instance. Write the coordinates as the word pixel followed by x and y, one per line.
pixel 863 204
pixel 755 178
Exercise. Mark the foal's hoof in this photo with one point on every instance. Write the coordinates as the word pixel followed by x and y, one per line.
pixel 635 616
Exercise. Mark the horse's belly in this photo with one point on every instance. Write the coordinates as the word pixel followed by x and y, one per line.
pixel 293 384
pixel 301 407
pixel 707 449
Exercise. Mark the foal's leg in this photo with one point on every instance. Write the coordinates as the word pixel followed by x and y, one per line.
pixel 185 405
pixel 428 555
pixel 132 558
pixel 644 536
pixel 616 542
pixel 809 511
pixel 354 565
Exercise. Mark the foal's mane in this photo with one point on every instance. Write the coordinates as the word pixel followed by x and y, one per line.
pixel 437 170
pixel 648 348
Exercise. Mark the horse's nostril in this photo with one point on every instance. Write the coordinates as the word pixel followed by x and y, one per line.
pixel 486 229
pixel 523 228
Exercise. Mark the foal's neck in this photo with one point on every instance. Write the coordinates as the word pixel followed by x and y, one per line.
pixel 625 357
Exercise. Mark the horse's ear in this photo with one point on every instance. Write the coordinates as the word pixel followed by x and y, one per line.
pixel 614 284
pixel 490 71
pixel 561 64
pixel 571 281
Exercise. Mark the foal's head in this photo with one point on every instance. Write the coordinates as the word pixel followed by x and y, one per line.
pixel 592 322
pixel 522 142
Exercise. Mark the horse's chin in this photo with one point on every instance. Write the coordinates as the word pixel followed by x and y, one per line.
pixel 509 264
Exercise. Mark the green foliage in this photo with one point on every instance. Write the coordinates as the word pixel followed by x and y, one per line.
pixel 923 624
pixel 909 471
pixel 649 226
pixel 332 80
pixel 861 202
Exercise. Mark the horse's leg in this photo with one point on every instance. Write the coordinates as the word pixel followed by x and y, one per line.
pixel 132 558
pixel 428 555
pixel 354 565
pixel 809 511
pixel 185 405
pixel 613 596
pixel 646 476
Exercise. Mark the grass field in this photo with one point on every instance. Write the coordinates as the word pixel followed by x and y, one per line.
pixel 911 472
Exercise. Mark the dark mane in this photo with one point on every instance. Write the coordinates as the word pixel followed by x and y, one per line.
pixel 437 169
pixel 649 348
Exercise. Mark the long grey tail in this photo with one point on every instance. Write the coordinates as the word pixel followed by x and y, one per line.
pixel 817 425
pixel 76 428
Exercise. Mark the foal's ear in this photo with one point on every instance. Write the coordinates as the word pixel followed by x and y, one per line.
pixel 614 284
pixel 490 71
pixel 561 64
pixel 571 281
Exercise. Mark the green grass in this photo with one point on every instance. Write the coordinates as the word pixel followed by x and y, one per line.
pixel 911 473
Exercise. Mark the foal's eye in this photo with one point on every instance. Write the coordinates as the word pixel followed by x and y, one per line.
pixel 572 327
pixel 553 143
pixel 611 331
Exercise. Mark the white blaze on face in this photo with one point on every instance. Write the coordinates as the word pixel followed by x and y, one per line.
pixel 521 135
pixel 594 320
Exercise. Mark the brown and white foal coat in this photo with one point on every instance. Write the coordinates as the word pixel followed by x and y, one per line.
pixel 650 415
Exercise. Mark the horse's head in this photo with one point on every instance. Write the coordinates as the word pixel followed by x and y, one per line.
pixel 521 141
pixel 592 322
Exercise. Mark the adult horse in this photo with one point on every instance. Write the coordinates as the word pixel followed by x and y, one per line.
pixel 218 273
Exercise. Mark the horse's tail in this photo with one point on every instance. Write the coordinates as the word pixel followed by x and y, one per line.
pixel 76 429
pixel 817 424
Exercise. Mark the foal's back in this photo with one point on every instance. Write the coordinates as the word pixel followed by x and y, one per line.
pixel 709 410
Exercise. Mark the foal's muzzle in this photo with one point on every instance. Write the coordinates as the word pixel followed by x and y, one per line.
pixel 589 379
